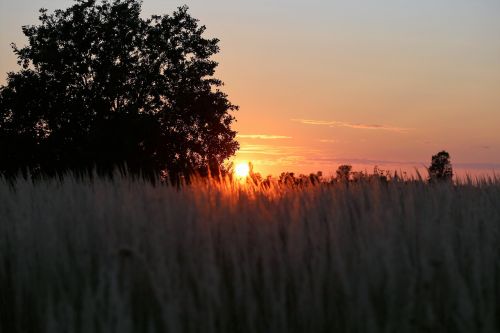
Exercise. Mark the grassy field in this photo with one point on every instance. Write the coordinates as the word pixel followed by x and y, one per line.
pixel 124 256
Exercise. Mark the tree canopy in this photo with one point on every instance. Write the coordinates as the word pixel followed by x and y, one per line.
pixel 440 168
pixel 100 87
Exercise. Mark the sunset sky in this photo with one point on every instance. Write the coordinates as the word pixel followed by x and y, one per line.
pixel 320 83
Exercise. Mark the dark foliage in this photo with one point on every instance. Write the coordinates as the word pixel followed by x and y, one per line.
pixel 440 169
pixel 343 172
pixel 101 88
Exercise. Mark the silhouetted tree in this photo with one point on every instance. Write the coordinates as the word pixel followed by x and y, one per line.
pixel 101 87
pixel 343 172
pixel 440 169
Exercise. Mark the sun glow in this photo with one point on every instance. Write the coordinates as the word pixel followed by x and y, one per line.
pixel 242 170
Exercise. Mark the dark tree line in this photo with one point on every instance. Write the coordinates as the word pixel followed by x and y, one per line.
pixel 440 171
pixel 100 87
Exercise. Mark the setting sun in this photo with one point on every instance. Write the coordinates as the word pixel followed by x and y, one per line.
pixel 242 170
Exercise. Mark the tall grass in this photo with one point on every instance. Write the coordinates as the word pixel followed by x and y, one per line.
pixel 124 256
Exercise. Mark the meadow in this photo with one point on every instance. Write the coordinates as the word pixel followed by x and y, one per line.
pixel 124 256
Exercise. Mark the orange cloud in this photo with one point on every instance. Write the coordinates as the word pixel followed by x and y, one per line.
pixel 333 123
pixel 262 136
pixel 268 150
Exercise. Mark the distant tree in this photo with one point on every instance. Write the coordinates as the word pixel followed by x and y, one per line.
pixel 101 87
pixel 343 172
pixel 440 168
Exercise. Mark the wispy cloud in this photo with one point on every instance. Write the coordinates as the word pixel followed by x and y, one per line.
pixel 328 141
pixel 262 136
pixel 283 162
pixel 334 123
pixel 263 149
pixel 325 159
pixel 270 155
